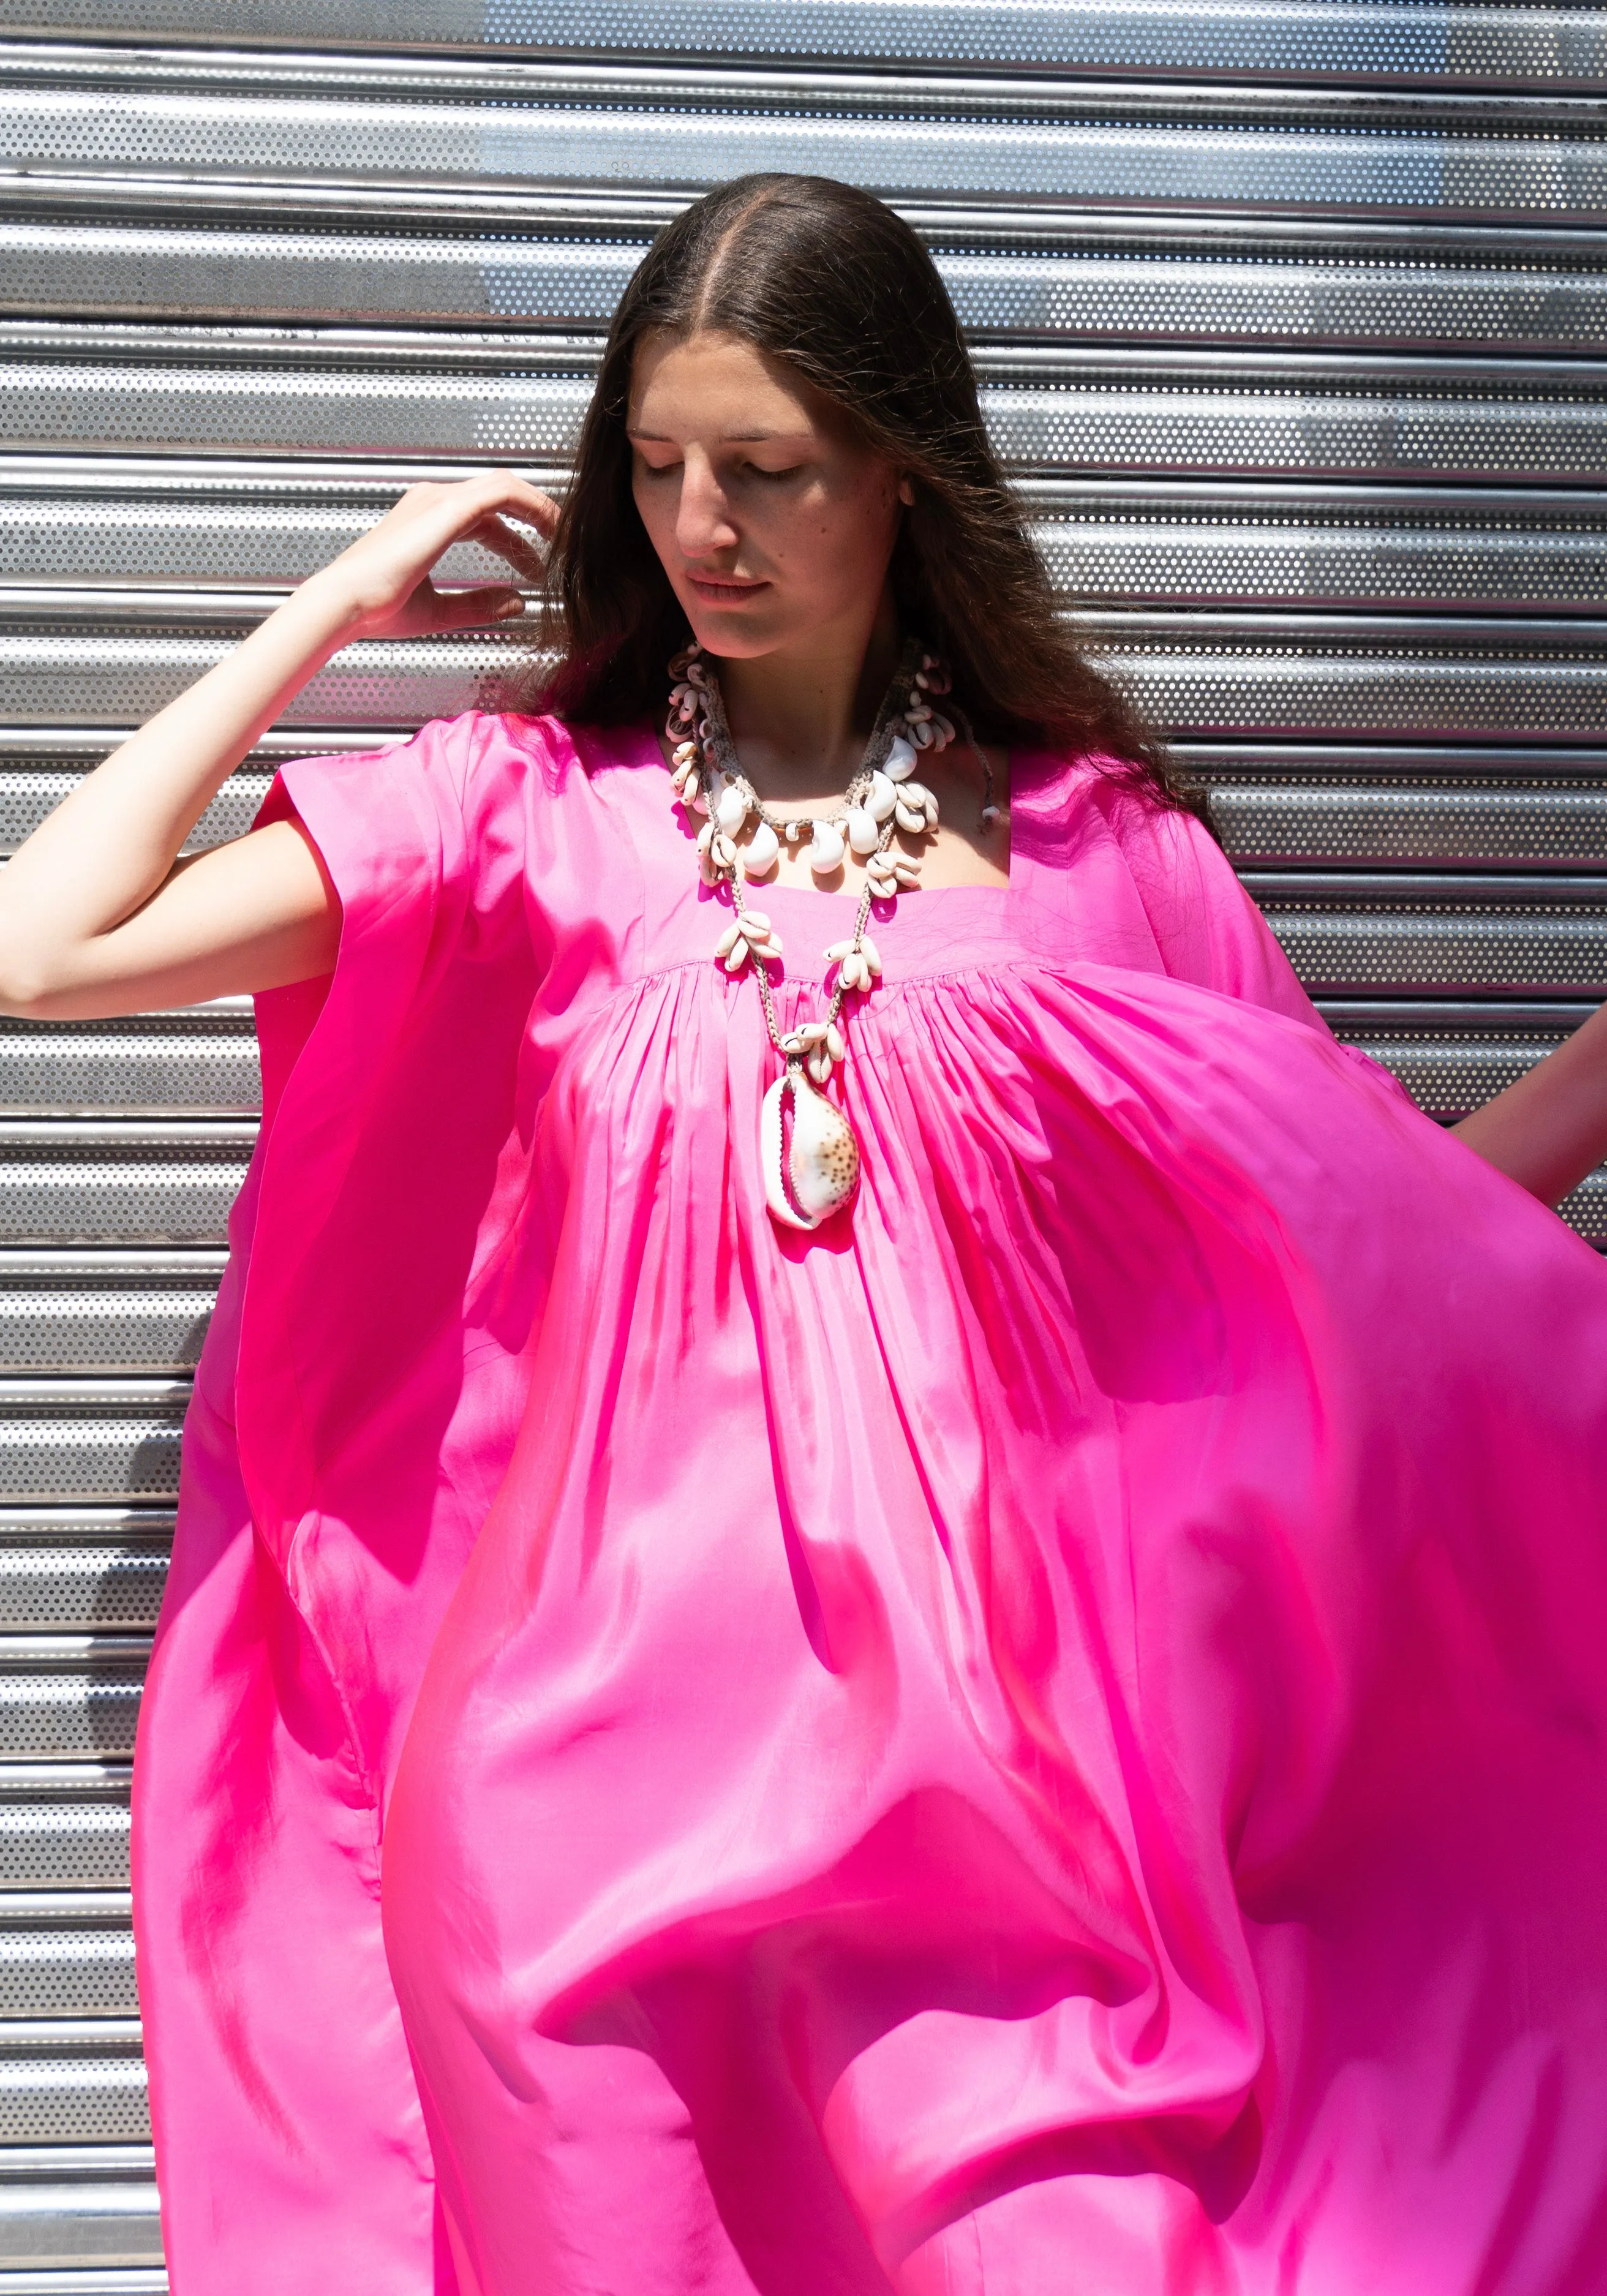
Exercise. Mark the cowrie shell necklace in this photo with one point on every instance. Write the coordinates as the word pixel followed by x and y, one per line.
pixel 808 1148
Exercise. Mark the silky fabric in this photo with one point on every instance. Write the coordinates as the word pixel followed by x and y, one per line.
pixel 1050 1736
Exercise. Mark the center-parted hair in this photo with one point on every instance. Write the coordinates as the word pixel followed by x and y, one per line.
pixel 837 287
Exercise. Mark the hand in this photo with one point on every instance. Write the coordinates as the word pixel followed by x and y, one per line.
pixel 381 585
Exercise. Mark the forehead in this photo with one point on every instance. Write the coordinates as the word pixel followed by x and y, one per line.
pixel 713 384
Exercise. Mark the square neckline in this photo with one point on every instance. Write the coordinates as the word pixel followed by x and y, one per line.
pixel 1012 760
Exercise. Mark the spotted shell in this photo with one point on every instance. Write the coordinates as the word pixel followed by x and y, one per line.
pixel 821 1162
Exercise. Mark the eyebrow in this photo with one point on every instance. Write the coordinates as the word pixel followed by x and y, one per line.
pixel 727 437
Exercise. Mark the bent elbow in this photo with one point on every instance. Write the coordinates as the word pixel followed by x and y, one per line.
pixel 30 984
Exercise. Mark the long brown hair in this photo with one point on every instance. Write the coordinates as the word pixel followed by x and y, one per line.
pixel 831 282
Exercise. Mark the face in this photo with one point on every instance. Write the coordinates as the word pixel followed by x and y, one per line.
pixel 774 525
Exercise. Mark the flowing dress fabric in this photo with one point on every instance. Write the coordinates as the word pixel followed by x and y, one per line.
pixel 1050 1735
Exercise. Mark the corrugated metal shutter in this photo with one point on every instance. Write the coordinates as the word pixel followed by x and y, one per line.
pixel 1291 321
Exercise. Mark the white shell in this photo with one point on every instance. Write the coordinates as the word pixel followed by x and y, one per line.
pixel 864 831
pixel 731 810
pixel 759 854
pixel 823 1162
pixel 883 799
pixel 900 760
pixel 910 821
pixel 826 848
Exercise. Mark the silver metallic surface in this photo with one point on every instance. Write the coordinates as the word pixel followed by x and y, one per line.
pixel 135 1183
pixel 365 394
pixel 1365 40
pixel 63 1826
pixel 90 1442
pixel 105 1311
pixel 69 1697
pixel 969 138
pixel 83 1569
pixel 196 1063
pixel 67 2081
pixel 1084 282
pixel 66 2205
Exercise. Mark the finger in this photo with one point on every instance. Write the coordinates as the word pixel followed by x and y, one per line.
pixel 505 490
pixel 494 534
pixel 474 610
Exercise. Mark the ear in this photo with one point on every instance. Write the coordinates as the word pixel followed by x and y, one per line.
pixel 906 490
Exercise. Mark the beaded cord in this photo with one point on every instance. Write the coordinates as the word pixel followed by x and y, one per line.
pixel 881 798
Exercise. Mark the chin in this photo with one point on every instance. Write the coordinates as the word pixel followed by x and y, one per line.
pixel 733 630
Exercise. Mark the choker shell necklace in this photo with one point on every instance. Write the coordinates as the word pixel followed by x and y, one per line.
pixel 807 1145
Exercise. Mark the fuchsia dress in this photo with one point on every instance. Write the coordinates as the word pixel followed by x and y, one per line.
pixel 1048 1740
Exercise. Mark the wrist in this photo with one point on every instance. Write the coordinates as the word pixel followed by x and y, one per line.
pixel 328 608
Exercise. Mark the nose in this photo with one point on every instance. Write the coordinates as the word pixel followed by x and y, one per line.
pixel 704 520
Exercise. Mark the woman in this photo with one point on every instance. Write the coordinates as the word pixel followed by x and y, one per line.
pixel 948 1597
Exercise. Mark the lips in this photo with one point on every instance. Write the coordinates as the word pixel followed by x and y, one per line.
pixel 719 591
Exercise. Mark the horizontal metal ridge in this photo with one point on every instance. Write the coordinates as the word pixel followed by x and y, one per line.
pixel 111 1263
pixel 61 2164
pixel 74 1908
pixel 1354 761
pixel 580 126
pixel 174 480
pixel 85 746
pixel 1281 39
pixel 52 2036
pixel 115 2281
pixel 1263 677
pixel 347 349
pixel 1469 1018
pixel 1485 631
pixel 1459 822
pixel 392 78
pixel 1388 889
pixel 149 1065
pixel 103 1780
pixel 58 1525
pixel 31 1653
pixel 58 1134
pixel 605 215
pixel 100 1394
pixel 255 532
pixel 125 1319
pixel 25 608
pixel 383 352
pixel 380 399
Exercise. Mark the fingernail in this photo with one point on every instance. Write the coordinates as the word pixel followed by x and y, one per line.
pixel 509 611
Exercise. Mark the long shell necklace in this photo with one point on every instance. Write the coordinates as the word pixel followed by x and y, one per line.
pixel 808 1149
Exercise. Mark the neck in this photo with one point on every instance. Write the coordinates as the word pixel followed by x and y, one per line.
pixel 801 717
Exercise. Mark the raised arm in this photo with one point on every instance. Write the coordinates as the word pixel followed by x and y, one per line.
pixel 1550 1129
pixel 97 913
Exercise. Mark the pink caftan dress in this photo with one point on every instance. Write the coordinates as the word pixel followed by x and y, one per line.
pixel 1049 1739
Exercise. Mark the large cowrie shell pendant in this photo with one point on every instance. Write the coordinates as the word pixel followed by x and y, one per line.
pixel 815 1173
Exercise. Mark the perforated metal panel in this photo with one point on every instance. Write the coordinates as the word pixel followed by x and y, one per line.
pixel 1291 322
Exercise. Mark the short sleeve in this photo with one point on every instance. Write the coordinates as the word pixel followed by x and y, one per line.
pixel 392 1158
pixel 1206 926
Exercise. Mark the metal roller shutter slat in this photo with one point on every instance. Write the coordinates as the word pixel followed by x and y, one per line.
pixel 1493 46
